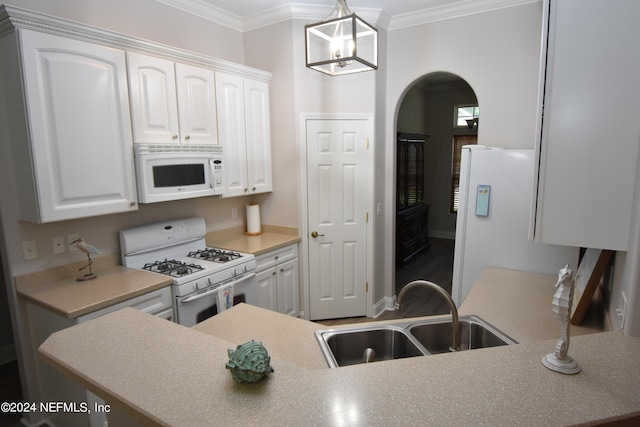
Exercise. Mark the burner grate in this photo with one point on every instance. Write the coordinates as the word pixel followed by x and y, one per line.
pixel 214 255
pixel 172 268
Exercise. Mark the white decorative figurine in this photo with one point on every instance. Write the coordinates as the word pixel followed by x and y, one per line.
pixel 87 249
pixel 559 361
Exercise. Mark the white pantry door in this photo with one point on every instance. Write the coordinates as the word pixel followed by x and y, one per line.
pixel 337 215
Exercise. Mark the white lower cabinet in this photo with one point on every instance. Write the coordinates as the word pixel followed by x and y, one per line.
pixel 55 386
pixel 278 282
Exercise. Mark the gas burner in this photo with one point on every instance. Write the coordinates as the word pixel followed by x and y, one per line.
pixel 214 255
pixel 172 268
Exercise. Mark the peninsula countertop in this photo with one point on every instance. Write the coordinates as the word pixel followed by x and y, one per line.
pixel 161 373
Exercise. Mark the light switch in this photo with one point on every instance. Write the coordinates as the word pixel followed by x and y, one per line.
pixel 70 239
pixel 29 250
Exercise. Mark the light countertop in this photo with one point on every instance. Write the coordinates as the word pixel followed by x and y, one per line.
pixel 519 304
pixel 166 374
pixel 273 237
pixel 58 290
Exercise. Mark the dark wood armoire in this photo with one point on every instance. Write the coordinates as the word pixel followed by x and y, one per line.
pixel 412 213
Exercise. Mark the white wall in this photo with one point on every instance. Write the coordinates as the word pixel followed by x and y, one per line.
pixel 149 20
pixel 496 52
pixel 271 49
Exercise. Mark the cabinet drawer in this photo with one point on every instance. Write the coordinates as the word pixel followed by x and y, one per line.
pixel 166 314
pixel 152 302
pixel 272 258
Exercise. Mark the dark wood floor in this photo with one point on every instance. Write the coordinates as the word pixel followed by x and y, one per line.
pixel 434 265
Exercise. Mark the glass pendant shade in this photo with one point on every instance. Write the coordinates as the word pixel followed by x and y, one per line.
pixel 342 45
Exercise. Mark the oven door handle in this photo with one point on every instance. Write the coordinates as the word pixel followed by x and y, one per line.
pixel 198 296
pixel 243 278
pixel 214 290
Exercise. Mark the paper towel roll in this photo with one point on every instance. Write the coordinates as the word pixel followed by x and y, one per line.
pixel 253 219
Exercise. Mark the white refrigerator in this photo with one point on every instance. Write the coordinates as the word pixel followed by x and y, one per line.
pixel 492 226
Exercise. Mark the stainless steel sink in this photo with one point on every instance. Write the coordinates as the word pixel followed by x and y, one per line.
pixel 342 347
pixel 474 332
pixel 348 346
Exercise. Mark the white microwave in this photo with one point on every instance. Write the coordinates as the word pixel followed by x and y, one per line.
pixel 174 172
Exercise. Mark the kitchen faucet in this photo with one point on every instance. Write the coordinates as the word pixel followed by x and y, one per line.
pixel 455 339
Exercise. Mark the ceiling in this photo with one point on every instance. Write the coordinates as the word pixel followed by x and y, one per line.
pixel 245 15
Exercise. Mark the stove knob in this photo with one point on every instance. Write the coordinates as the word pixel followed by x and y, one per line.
pixel 238 271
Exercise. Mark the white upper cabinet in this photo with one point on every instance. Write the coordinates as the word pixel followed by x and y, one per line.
pixel 258 129
pixel 81 96
pixel 245 134
pixel 78 161
pixel 196 104
pixel 589 129
pixel 171 103
pixel 232 134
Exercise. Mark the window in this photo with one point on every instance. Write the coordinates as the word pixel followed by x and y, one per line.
pixel 458 142
pixel 464 113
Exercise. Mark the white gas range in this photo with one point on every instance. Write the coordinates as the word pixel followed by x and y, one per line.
pixel 205 280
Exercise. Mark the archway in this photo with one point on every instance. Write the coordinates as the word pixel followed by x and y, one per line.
pixel 428 131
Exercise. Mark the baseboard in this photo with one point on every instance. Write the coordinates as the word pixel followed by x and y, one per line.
pixel 384 304
pixel 7 354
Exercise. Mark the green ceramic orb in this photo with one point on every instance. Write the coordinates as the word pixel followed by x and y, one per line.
pixel 249 362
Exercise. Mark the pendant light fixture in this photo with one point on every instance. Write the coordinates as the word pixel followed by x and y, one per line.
pixel 341 44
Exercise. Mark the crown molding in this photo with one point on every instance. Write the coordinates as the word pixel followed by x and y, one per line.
pixel 12 18
pixel 306 12
pixel 206 11
pixel 312 13
pixel 455 10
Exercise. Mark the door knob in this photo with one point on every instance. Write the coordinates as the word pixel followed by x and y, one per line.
pixel 315 234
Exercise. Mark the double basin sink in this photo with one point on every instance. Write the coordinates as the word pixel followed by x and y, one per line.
pixel 368 343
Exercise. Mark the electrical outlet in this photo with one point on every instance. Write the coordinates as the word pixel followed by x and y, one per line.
pixel 70 239
pixel 621 312
pixel 29 250
pixel 234 213
pixel 58 245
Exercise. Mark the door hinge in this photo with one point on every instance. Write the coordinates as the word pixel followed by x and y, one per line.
pixel 367 143
pixel 366 217
pixel 366 286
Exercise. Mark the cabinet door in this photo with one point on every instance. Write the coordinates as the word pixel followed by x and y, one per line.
pixel 78 108
pixel 153 99
pixel 258 129
pixel 196 105
pixel 231 132
pixel 589 144
pixel 288 302
pixel 267 290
